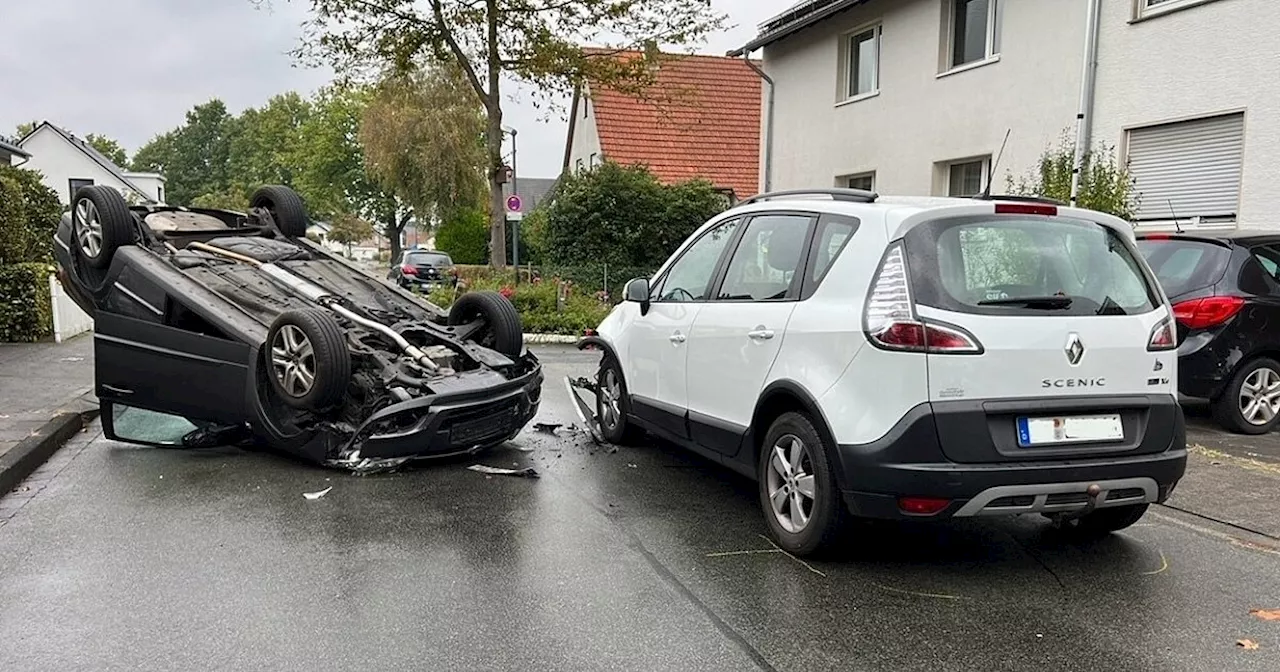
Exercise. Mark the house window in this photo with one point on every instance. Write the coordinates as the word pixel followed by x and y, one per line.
pixel 160 193
pixel 967 178
pixel 74 184
pixel 1188 170
pixel 1149 7
pixel 863 181
pixel 862 63
pixel 973 31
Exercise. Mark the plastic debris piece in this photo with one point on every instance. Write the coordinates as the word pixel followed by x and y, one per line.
pixel 71 359
pixel 546 427
pixel 1266 614
pixel 1247 644
pixel 527 472
pixel 318 494
pixel 633 465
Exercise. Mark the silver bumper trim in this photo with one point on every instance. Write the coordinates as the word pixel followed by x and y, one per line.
pixel 1120 492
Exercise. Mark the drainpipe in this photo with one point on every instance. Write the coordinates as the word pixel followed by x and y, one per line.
pixel 1084 117
pixel 768 124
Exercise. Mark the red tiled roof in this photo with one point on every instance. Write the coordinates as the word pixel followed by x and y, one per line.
pixel 700 119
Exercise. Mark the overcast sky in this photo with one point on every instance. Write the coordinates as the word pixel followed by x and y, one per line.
pixel 130 69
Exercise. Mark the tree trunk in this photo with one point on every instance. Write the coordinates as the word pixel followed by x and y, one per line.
pixel 493 108
pixel 393 236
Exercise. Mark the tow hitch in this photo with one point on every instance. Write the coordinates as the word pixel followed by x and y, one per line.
pixel 586 411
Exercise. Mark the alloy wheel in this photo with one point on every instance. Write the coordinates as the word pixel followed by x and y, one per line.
pixel 293 360
pixel 1260 396
pixel 88 228
pixel 790 482
pixel 610 396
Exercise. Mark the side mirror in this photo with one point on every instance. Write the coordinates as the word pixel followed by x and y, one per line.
pixel 638 292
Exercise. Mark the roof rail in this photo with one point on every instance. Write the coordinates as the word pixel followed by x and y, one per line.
pixel 836 194
pixel 1016 198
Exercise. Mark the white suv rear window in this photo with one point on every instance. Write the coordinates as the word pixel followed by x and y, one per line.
pixel 1027 265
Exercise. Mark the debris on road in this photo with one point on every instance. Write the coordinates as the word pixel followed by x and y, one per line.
pixel 1266 614
pixel 546 427
pixel 1247 644
pixel 633 465
pixel 71 359
pixel 367 465
pixel 527 472
pixel 317 494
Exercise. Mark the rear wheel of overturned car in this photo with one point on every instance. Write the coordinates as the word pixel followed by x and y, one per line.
pixel 613 405
pixel 798 492
pixel 1250 404
pixel 285 206
pixel 309 359
pixel 501 323
pixel 101 223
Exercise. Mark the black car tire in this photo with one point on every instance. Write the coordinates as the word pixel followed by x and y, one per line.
pixel 1101 522
pixel 285 206
pixel 827 515
pixel 618 431
pixel 1226 407
pixel 330 361
pixel 502 332
pixel 110 224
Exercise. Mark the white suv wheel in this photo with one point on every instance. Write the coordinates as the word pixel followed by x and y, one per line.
pixel 791 483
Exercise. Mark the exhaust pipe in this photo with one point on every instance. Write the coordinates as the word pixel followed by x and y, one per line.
pixel 318 294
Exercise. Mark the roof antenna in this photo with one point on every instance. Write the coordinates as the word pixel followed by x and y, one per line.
pixel 1176 225
pixel 991 170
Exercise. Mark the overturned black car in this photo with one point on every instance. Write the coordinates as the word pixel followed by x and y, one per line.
pixel 215 327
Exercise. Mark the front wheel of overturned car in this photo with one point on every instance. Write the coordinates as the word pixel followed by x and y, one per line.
pixel 798 492
pixel 1250 404
pixel 101 223
pixel 613 405
pixel 310 362
pixel 285 206
pixel 501 323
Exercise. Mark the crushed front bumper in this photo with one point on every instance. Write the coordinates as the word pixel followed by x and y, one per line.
pixel 479 414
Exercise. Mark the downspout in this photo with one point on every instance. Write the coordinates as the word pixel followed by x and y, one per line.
pixel 1088 80
pixel 768 124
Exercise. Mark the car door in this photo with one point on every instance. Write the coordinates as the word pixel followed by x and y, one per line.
pixel 657 350
pixel 737 335
pixel 158 367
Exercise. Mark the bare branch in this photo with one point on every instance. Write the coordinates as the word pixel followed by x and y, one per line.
pixel 463 61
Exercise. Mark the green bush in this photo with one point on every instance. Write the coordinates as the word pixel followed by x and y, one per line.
pixel 29 214
pixel 465 237
pixel 536 302
pixel 1105 184
pixel 622 216
pixel 26 309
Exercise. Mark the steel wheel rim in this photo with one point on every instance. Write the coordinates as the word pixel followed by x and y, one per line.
pixel 1260 397
pixel 610 394
pixel 790 483
pixel 293 361
pixel 88 228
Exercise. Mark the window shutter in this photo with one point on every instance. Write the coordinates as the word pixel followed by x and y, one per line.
pixel 1195 165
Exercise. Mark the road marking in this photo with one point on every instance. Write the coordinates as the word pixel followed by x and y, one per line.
pixel 1234 541
pixel 1164 564
pixel 1242 462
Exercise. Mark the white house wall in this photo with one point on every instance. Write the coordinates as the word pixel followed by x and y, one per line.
pixel 58 162
pixel 151 183
pixel 586 136
pixel 920 118
pixel 1198 61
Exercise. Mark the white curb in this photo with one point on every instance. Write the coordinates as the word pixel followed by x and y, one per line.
pixel 550 338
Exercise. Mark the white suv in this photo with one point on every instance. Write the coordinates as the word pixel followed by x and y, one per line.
pixel 905 358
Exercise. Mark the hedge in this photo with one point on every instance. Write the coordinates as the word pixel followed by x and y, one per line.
pixel 540 312
pixel 26 309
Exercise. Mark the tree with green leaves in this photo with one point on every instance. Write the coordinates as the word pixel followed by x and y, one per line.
pixel 622 215
pixel 1105 184
pixel 464 236
pixel 348 229
pixel 195 157
pixel 533 41
pixel 423 140
pixel 108 148
pixel 265 144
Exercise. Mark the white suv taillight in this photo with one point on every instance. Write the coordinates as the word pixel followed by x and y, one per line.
pixel 890 321
pixel 1163 336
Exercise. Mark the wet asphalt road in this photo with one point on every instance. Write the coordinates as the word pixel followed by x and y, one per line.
pixel 124 558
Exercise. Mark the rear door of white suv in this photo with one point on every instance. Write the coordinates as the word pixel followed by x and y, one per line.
pixel 737 335
pixel 1047 322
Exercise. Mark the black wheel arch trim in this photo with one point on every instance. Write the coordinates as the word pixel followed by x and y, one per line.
pixel 808 403
pixel 596 341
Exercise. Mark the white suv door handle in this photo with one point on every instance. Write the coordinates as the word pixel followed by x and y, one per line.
pixel 760 334
pixel 677 337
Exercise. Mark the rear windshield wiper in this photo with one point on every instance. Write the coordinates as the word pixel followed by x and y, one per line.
pixel 1030 301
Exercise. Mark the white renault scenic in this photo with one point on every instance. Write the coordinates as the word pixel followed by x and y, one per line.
pixel 905 359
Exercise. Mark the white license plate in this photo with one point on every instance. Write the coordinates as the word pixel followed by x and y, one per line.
pixel 1069 429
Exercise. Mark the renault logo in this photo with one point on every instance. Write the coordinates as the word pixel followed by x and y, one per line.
pixel 1074 349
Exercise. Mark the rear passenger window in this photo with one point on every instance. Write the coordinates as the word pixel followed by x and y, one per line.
pixel 832 236
pixel 764 266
